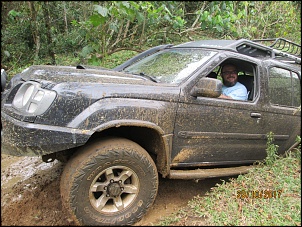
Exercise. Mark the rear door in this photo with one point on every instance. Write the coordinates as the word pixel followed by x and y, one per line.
pixel 282 102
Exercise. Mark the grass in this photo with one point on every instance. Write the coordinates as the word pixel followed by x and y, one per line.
pixel 229 204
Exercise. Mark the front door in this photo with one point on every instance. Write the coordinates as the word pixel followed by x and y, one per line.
pixel 214 131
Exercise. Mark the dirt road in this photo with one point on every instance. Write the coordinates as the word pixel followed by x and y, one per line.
pixel 30 194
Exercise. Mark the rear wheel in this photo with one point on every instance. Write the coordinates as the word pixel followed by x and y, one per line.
pixel 111 182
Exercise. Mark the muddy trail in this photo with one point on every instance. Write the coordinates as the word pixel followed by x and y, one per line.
pixel 30 194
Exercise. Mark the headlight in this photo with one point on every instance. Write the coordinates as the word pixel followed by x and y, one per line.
pixel 33 99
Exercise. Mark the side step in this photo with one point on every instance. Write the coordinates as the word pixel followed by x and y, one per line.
pixel 208 173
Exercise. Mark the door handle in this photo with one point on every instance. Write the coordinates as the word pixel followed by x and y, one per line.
pixel 256 115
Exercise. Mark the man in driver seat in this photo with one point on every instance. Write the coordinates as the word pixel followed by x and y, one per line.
pixel 231 88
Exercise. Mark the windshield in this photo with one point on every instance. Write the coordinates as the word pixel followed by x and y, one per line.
pixel 171 66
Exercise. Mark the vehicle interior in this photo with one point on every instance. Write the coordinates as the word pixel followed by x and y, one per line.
pixel 246 74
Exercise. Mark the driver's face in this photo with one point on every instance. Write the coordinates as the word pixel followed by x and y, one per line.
pixel 229 75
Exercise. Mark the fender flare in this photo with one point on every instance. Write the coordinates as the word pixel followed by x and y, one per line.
pixel 166 138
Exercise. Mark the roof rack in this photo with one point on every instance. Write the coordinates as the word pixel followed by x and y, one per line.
pixel 283 45
pixel 282 49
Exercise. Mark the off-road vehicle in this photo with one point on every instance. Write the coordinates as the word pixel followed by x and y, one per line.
pixel 156 114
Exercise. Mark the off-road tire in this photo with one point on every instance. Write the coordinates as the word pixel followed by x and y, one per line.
pixel 117 169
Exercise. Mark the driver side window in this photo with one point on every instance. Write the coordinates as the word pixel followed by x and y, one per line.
pixel 245 72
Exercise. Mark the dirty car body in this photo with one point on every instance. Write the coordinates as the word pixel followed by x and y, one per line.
pixel 162 101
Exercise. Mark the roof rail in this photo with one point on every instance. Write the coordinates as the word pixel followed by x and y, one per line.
pixel 283 49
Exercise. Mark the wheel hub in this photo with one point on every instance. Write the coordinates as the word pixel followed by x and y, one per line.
pixel 114 189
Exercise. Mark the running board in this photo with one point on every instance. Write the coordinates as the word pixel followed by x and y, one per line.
pixel 208 173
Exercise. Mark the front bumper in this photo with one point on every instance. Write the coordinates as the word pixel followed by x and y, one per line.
pixel 20 138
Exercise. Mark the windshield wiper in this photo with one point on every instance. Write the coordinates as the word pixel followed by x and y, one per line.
pixel 142 74
pixel 149 77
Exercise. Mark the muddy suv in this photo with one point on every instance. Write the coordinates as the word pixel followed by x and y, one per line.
pixel 158 113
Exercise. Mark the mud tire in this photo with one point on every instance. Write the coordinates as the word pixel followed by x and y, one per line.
pixel 116 159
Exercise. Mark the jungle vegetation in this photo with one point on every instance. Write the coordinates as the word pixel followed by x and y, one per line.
pixel 45 32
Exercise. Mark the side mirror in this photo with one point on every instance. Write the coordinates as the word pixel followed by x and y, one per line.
pixel 207 87
pixel 3 79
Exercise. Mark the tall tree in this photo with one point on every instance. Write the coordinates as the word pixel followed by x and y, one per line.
pixel 34 24
pixel 47 19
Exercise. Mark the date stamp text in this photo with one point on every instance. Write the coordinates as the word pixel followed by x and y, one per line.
pixel 259 194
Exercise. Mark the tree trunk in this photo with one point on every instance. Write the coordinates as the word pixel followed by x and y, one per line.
pixel 34 29
pixel 65 18
pixel 50 47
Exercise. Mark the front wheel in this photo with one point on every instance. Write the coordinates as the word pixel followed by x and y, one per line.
pixel 111 182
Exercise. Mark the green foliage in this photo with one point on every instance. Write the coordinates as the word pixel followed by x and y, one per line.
pixel 15 38
pixel 221 17
pixel 252 20
pixel 273 19
pixel 115 25
pixel 93 30
pixel 271 150
pixel 297 149
pixel 117 58
pixel 298 140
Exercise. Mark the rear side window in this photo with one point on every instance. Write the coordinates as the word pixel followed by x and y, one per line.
pixel 284 87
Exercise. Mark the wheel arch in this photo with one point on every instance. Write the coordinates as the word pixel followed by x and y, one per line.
pixel 147 134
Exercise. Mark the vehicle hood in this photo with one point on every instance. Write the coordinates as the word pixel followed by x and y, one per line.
pixel 97 83
pixel 61 74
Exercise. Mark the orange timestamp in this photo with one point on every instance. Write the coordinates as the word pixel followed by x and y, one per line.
pixel 259 194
